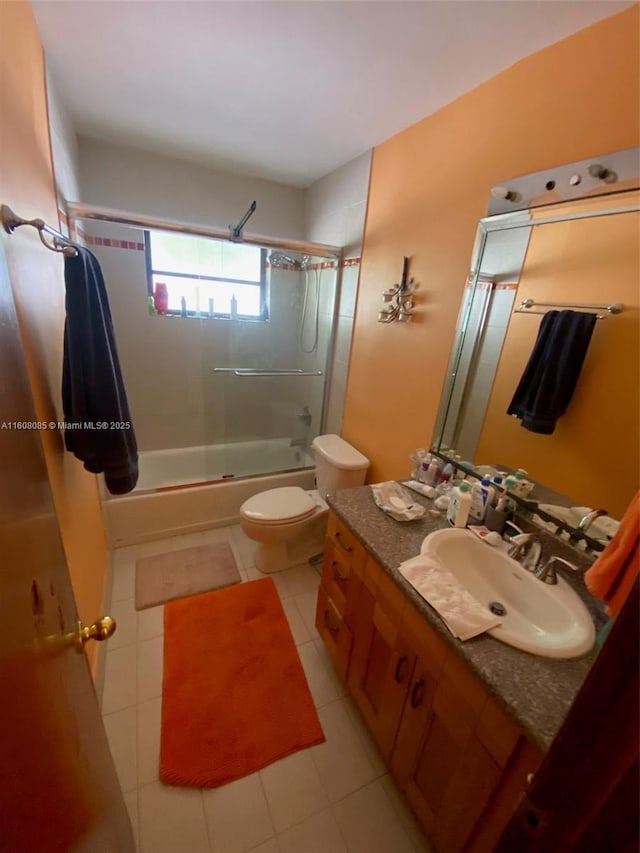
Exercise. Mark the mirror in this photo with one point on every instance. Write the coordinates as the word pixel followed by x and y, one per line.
pixel 581 253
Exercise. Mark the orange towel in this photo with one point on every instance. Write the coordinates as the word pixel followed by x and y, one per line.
pixel 613 573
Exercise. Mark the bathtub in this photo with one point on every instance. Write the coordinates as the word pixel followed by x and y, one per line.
pixel 195 488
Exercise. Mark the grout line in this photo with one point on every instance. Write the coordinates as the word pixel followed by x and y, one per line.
pixel 206 822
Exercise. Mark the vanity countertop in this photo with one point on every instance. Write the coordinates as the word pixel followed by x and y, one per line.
pixel 536 691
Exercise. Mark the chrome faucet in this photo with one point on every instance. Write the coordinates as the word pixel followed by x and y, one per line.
pixel 525 548
pixel 585 523
pixel 547 572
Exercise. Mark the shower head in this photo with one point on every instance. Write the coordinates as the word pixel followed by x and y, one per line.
pixel 277 259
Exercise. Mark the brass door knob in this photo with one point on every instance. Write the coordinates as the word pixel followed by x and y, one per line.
pixel 101 630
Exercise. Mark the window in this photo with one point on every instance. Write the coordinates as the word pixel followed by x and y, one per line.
pixel 202 275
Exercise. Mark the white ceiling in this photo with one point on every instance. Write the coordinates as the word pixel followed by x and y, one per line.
pixel 287 91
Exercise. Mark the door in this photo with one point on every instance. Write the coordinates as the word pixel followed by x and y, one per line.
pixel 585 795
pixel 58 787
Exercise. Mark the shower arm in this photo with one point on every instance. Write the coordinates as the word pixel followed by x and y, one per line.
pixel 235 231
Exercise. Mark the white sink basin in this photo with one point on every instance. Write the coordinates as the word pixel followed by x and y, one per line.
pixel 545 620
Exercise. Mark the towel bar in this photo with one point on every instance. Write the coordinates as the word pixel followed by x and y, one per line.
pixel 11 221
pixel 526 304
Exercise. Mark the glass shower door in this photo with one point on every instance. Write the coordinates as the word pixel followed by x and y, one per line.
pixel 264 395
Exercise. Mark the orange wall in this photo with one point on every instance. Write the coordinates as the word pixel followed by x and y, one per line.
pixel 26 184
pixel 584 261
pixel 430 185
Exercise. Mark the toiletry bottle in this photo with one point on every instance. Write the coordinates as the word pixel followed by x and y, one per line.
pixel 152 306
pixel 183 306
pixel 481 495
pixel 459 505
pixel 234 307
pixel 523 486
pixel 496 482
pixel 433 471
pixel 161 298
pixel 423 470
pixel 211 307
pixel 446 474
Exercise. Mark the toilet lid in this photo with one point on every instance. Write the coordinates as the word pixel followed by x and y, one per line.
pixel 279 505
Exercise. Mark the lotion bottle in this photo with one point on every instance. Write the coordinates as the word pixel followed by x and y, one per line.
pixel 459 505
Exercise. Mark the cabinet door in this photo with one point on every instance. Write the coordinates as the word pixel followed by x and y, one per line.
pixel 450 757
pixel 381 670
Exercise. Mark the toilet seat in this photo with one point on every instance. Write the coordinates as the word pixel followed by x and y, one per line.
pixel 279 506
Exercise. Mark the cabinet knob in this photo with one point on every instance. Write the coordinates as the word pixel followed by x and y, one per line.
pixel 342 544
pixel 335 565
pixel 417 694
pixel 335 629
pixel 399 674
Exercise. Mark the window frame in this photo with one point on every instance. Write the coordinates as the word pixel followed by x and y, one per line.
pixel 262 317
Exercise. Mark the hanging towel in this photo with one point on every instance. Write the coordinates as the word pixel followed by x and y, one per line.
pixel 612 575
pixel 552 372
pixel 93 396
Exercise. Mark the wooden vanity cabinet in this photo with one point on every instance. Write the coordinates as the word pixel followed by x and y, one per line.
pixel 460 759
pixel 337 607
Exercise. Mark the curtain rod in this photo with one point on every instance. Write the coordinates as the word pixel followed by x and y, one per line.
pixel 79 210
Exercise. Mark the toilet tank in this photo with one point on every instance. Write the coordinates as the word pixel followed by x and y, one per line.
pixel 338 464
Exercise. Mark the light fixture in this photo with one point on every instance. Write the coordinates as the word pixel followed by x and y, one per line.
pixel 398 300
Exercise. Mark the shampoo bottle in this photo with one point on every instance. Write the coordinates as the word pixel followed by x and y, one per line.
pixel 459 505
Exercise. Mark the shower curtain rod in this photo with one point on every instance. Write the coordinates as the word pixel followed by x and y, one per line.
pixel 79 210
pixel 11 221
pixel 614 308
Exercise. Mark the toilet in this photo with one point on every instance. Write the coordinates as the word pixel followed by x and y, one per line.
pixel 289 524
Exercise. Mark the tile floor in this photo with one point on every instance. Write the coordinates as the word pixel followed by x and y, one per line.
pixel 331 798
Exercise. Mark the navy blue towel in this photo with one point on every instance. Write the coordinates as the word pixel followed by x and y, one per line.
pixel 552 372
pixel 98 423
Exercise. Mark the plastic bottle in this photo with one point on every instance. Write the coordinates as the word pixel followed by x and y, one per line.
pixel 447 473
pixel 161 298
pixel 183 306
pixel 481 497
pixel 433 471
pixel 234 307
pixel 496 482
pixel 152 306
pixel 459 505
pixel 523 486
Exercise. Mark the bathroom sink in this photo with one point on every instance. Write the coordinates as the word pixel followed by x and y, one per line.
pixel 545 620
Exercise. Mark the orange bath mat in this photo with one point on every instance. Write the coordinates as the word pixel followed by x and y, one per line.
pixel 234 696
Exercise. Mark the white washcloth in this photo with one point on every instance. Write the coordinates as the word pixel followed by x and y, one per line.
pixel 462 614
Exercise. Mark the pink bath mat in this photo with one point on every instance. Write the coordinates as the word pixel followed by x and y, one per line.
pixel 179 574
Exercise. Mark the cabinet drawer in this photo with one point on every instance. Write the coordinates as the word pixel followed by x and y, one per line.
pixel 336 575
pixel 334 632
pixel 347 547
